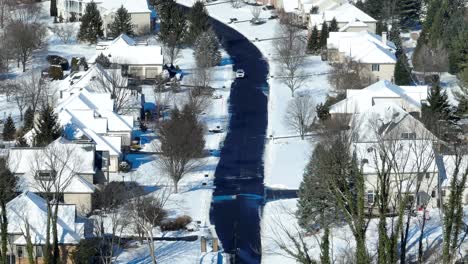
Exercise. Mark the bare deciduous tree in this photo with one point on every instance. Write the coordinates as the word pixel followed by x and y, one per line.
pixel 348 74
pixel 5 7
pixel 113 82
pixel 256 11
pixel 428 58
pixel 291 50
pixel 66 32
pixel 147 212
pixel 198 103
pixel 236 3
pixel 53 170
pixel 300 114
pixel 24 38
pixel 201 78
pixel 180 143
pixel 35 89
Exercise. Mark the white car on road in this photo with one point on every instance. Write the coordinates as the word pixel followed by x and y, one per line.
pixel 240 73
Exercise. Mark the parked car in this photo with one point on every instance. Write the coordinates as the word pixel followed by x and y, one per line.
pixel 240 73
pixel 217 129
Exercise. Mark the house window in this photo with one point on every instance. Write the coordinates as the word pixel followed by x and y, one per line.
pixel 443 193
pixel 408 135
pixel 45 175
pixel 428 175
pixel 39 251
pixel 370 197
pixel 364 161
pixel 20 252
pixel 433 194
pixel 376 67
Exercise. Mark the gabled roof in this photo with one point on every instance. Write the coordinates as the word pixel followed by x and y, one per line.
pixel 29 208
pixel 353 24
pixel 358 101
pixel 343 13
pixel 71 159
pixel 363 46
pixel 447 165
pixel 124 50
pixel 386 120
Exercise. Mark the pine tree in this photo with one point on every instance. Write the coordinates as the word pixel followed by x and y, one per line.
pixel 334 25
pixel 402 75
pixel 28 122
pixel 323 36
pixel 198 21
pixel 206 50
pixel 379 28
pixel 53 8
pixel 173 26
pixel 103 61
pixel 122 23
pixel 325 246
pixel 91 24
pixel 313 41
pixel 374 8
pixel 48 128
pixel 359 4
pixel 409 12
pixel 9 129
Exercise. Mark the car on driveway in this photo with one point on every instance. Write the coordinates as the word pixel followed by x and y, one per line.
pixel 240 74
pixel 217 129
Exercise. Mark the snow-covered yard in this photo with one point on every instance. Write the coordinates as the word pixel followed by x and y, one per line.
pixel 278 217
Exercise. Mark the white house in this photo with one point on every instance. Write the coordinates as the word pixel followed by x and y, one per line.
pixel 447 165
pixel 139 11
pixel 138 60
pixel 301 9
pixel 385 134
pixel 28 211
pixel 88 117
pixel 348 17
pixel 409 98
pixel 374 52
pixel 62 166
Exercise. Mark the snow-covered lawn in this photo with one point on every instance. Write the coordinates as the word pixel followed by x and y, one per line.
pixel 278 216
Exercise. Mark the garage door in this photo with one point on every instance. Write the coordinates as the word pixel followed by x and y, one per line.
pixel 151 73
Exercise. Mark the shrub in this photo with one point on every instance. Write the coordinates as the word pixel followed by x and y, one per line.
pixel 125 166
pixel 176 224
pixel 55 72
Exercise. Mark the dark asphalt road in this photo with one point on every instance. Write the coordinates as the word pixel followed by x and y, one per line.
pixel 240 170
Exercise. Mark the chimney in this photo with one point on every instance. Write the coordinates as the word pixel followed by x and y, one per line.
pixel 384 38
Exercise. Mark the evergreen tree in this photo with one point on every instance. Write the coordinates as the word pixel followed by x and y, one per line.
pixel 103 61
pixel 206 50
pixel 323 36
pixel 333 25
pixel 53 8
pixel 379 28
pixel 122 23
pixel 9 129
pixel 91 24
pixel 409 12
pixel 198 19
pixel 402 75
pixel 8 184
pixel 313 42
pixel 48 127
pixel 374 8
pixel 173 26
pixel 323 111
pixel 359 4
pixel 325 246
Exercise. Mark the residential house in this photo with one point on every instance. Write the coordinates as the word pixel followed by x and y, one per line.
pixel 88 117
pixel 138 60
pixel 28 211
pixel 302 9
pixel 103 81
pixel 348 17
pixel 447 165
pixel 64 167
pixel 374 52
pixel 142 17
pixel 385 136
pixel 409 98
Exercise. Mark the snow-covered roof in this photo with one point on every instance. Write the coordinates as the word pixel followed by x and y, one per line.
pixel 358 101
pixel 342 13
pixel 132 6
pixel 386 120
pixel 447 165
pixel 290 6
pixel 353 24
pixel 30 209
pixel 363 46
pixel 124 50
pixel 70 159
